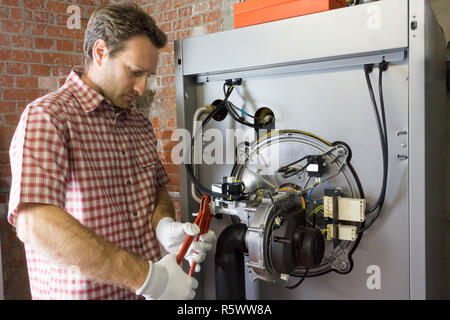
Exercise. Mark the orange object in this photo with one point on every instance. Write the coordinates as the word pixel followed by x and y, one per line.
pixel 203 220
pixel 251 12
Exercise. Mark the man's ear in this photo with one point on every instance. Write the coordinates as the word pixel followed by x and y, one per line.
pixel 99 52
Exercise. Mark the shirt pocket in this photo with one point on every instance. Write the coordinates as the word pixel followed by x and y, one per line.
pixel 145 158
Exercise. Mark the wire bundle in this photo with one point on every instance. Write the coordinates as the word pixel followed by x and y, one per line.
pixel 381 124
pixel 228 88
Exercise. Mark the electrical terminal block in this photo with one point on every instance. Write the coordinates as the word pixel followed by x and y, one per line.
pixel 345 232
pixel 350 209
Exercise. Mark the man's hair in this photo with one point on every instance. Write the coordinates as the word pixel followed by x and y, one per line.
pixel 116 23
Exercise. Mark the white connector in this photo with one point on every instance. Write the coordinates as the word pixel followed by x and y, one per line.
pixel 350 209
pixel 345 232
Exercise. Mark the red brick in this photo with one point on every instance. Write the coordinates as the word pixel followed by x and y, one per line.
pixel 4 13
pixel 215 4
pixel 79 47
pixel 4 156
pixel 17 13
pixel 165 59
pixel 213 16
pixel 64 32
pixel 16 68
pixel 21 56
pixel 169 48
pixel 171 15
pixel 182 34
pixel 162 6
pixel 5 171
pixel 44 43
pixel 182 3
pixel 33 94
pixel 22 41
pixel 166 27
pixel 64 45
pixel 171 168
pixel 26 82
pixel 14 94
pixel 14 3
pixel 8 107
pixel 4 40
pixel 11 26
pixel 57 6
pixel 12 119
pixel 166 145
pixel 201 7
pixel 155 122
pixel 33 4
pixel 61 71
pixel 171 123
pixel 7 132
pixel 166 91
pixel 41 16
pixel 185 12
pixel 168 81
pixel 47 83
pixel 174 180
pixel 60 58
pixel 214 27
pixel 163 134
pixel 21 105
pixel 40 70
pixel 36 29
pixel 171 37
pixel 6 81
pixel 169 102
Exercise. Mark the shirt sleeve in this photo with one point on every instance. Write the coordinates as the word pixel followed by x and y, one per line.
pixel 161 174
pixel 39 160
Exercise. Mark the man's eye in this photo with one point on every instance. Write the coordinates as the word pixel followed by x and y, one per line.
pixel 135 72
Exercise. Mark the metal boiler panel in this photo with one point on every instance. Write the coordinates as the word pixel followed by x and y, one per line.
pixel 309 71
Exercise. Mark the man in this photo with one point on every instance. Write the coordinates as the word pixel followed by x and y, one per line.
pixel 87 195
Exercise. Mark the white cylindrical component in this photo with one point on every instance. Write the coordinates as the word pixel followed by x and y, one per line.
pixel 198 113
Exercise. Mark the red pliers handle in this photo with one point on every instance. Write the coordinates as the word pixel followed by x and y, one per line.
pixel 203 220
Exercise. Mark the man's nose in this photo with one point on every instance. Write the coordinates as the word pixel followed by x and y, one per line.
pixel 139 86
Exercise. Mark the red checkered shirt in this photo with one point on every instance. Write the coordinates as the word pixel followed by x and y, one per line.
pixel 75 150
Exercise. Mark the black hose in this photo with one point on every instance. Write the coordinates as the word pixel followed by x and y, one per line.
pixel 229 263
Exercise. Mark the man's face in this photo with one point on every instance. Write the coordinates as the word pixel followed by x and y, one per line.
pixel 124 76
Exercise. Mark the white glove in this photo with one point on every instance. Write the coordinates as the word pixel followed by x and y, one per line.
pixel 167 281
pixel 171 235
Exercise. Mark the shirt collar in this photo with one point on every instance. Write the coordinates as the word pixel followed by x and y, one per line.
pixel 88 98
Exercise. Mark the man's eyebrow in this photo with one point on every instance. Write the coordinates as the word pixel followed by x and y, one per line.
pixel 141 69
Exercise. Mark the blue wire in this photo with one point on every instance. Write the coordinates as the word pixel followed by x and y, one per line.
pixel 243 111
pixel 309 195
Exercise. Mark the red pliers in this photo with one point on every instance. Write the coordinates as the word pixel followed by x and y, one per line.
pixel 203 220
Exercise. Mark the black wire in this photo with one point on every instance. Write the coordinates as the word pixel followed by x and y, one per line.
pixel 381 124
pixel 202 189
pixel 281 169
pixel 299 282
pixel 381 134
pixel 231 110
pixel 225 104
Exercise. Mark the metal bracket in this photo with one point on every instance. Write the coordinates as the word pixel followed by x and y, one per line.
pixel 338 260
